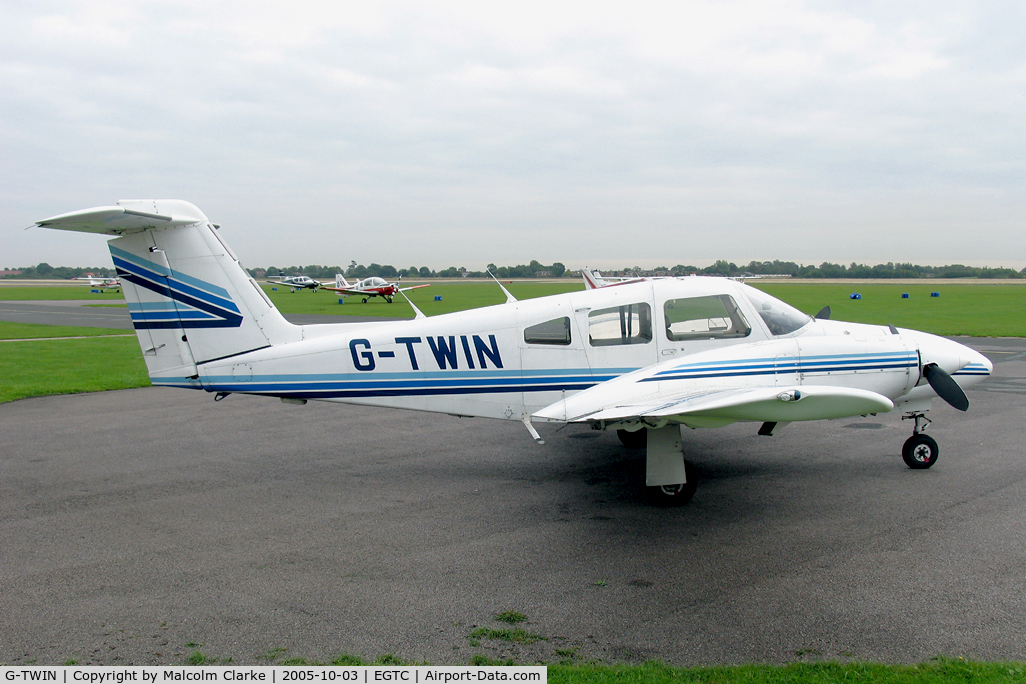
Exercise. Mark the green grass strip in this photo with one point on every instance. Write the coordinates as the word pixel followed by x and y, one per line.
pixel 456 296
pixel 939 671
pixel 975 310
pixel 24 331
pixel 39 368
pixel 32 293
pixel 979 310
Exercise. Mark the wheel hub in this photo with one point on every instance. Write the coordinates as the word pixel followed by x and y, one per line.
pixel 922 453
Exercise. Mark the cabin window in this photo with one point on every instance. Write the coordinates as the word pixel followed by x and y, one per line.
pixel 702 318
pixel 556 331
pixel 780 318
pixel 627 324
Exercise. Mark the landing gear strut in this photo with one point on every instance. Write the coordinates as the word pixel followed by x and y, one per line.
pixel 671 480
pixel 920 450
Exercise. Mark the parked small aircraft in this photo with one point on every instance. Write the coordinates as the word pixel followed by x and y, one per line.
pixel 299 282
pixel 369 287
pixel 642 359
pixel 101 283
pixel 594 280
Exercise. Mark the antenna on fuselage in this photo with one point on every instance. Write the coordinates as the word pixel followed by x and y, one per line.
pixel 509 297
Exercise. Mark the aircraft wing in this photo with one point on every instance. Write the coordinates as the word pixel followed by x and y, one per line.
pixel 347 290
pixel 414 287
pixel 766 404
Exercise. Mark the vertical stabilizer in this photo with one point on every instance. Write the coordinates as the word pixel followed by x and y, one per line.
pixel 190 300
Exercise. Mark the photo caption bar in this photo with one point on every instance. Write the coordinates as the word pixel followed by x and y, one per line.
pixel 271 674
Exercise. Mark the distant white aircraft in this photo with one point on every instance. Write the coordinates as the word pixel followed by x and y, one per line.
pixel 369 287
pixel 642 359
pixel 101 283
pixel 299 282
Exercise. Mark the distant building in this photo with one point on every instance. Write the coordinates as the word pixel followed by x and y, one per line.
pixel 6 273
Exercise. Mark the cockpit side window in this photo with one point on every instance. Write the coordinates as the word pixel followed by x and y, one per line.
pixel 627 324
pixel 780 318
pixel 702 318
pixel 556 331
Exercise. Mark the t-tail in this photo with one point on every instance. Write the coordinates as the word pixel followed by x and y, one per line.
pixel 190 300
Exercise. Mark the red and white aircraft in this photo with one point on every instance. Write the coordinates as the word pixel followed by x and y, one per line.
pixel 369 287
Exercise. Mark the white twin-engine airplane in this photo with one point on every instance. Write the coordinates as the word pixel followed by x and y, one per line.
pixel 642 358
pixel 299 282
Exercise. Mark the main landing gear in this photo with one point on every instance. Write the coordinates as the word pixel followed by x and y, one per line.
pixel 670 480
pixel 920 450
pixel 676 494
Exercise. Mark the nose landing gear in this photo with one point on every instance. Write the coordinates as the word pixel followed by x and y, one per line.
pixel 920 450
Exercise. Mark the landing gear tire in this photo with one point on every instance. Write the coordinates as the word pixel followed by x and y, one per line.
pixel 920 451
pixel 633 440
pixel 364 300
pixel 676 494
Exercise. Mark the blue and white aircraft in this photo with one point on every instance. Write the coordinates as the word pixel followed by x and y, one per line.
pixel 641 358
pixel 299 282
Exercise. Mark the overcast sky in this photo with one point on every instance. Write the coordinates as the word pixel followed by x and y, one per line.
pixel 596 134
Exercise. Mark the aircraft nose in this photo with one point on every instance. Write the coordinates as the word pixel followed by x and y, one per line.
pixel 955 358
pixel 974 364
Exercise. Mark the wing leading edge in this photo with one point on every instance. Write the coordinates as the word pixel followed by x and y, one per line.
pixel 780 404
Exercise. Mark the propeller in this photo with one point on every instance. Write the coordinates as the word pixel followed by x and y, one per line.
pixel 824 314
pixel 945 387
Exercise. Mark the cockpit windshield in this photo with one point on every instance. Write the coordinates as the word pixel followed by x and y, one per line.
pixel 779 317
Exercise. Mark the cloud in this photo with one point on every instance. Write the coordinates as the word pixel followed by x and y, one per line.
pixel 461 133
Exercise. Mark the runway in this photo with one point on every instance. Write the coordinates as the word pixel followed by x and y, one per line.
pixel 141 526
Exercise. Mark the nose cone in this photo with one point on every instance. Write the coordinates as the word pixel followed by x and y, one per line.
pixel 967 366
pixel 975 367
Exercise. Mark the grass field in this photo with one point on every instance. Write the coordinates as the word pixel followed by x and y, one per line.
pixel 975 310
pixel 22 331
pixel 456 296
pixel 43 367
pixel 30 293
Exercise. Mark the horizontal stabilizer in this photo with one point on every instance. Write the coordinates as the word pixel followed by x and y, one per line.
pixel 129 216
pixel 810 402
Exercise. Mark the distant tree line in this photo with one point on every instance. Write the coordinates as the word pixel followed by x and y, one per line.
pixel 357 271
pixel 827 270
pixel 558 270
pixel 45 271
pixel 854 270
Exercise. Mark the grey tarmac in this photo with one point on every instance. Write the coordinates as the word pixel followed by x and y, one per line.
pixel 141 526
